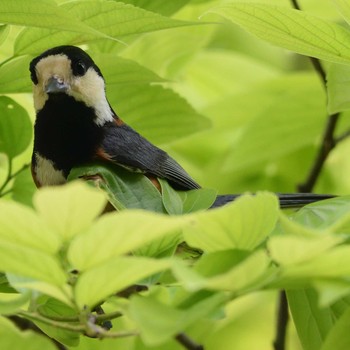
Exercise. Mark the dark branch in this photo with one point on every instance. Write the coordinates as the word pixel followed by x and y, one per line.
pixel 282 322
pixel 187 342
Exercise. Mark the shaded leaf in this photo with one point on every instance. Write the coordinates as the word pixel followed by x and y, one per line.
pixel 15 127
pixel 125 189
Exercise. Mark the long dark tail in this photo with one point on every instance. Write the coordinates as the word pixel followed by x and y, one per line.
pixel 287 200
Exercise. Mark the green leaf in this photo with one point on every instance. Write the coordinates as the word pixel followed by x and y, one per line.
pixel 338 77
pixel 159 322
pixel 117 234
pixel 15 127
pixel 343 8
pixel 289 250
pixel 4 31
pixel 274 127
pixel 125 189
pixel 331 214
pixel 21 226
pixel 247 273
pixel 23 188
pixel 159 114
pixel 112 276
pixel 165 8
pixel 58 291
pixel 312 322
pixel 93 19
pixel 30 262
pixel 10 303
pixel 14 75
pixel 199 199
pixel 69 210
pixel 243 224
pixel 14 339
pixel 291 29
pixel 40 13
pixel 53 308
pixel 339 337
pixel 171 199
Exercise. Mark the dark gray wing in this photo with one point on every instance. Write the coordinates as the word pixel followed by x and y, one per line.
pixel 124 146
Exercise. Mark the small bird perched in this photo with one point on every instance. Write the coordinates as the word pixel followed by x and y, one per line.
pixel 76 125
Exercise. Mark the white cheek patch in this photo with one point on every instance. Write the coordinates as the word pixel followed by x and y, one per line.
pixel 90 89
pixel 46 174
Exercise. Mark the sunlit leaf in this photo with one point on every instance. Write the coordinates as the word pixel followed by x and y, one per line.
pixel 10 303
pixel 112 276
pixel 243 224
pixel 19 225
pixel 292 29
pixel 31 262
pixel 98 19
pixel 69 209
pixel 12 338
pixel 117 234
pixel 339 337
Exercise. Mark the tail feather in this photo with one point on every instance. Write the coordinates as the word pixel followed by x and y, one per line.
pixel 287 200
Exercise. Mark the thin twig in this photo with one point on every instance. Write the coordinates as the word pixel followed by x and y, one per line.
pixel 282 321
pixel 187 342
pixel 11 176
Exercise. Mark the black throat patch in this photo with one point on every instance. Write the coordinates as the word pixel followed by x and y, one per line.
pixel 65 132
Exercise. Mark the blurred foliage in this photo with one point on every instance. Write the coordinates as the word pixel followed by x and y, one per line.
pixel 221 86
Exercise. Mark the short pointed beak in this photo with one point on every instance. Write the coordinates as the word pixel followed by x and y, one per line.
pixel 55 85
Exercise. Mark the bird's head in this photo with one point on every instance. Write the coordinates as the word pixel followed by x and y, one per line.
pixel 71 71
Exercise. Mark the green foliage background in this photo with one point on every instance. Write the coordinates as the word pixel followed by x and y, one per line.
pixel 221 86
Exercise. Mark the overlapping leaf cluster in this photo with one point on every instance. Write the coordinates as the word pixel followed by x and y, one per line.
pixel 244 120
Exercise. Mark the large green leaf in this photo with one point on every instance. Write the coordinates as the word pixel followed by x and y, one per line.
pixel 14 339
pixel 10 302
pixel 125 189
pixel 292 29
pixel 117 234
pixel 158 113
pixel 312 322
pixel 41 13
pixel 158 322
pixel 243 224
pixel 339 337
pixel 165 8
pixel 101 18
pixel 70 209
pixel 338 78
pixel 30 262
pixel 21 226
pixel 14 75
pixel 15 127
pixel 112 276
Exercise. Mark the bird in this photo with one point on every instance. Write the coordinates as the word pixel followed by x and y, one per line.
pixel 75 125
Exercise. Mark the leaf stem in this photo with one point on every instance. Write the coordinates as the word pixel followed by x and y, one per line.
pixel 10 176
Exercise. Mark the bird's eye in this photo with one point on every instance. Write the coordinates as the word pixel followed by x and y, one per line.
pixel 79 68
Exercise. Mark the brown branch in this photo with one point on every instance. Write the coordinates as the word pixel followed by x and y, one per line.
pixel 187 342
